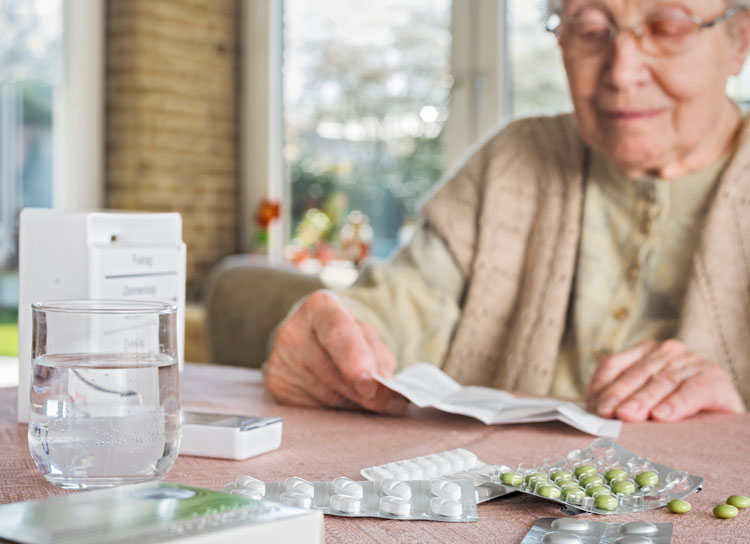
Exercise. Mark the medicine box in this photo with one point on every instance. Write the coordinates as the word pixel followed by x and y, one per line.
pixel 96 255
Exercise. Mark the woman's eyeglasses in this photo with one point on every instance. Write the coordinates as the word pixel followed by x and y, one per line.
pixel 660 34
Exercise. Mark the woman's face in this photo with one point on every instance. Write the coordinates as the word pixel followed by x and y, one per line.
pixel 652 112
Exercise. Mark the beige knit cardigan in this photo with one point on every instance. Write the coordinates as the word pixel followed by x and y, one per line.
pixel 511 216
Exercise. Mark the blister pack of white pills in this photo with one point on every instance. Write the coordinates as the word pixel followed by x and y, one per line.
pixel 437 499
pixel 452 464
pixel 604 478
pixel 578 531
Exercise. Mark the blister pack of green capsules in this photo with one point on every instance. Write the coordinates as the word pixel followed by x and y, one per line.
pixel 603 478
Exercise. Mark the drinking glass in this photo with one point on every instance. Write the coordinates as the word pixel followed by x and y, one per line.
pixel 105 405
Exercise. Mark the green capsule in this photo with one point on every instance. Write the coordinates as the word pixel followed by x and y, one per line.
pixel 549 491
pixel 594 479
pixel 725 511
pixel 739 501
pixel 678 506
pixel 535 477
pixel 560 476
pixel 616 474
pixel 647 479
pixel 605 502
pixel 624 487
pixel 511 478
pixel 583 470
pixel 601 489
pixel 573 494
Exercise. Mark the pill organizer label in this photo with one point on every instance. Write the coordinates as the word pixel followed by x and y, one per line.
pixel 577 531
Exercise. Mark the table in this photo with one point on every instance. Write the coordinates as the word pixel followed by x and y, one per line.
pixel 323 444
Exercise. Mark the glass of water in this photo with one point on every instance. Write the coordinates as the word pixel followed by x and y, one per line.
pixel 105 404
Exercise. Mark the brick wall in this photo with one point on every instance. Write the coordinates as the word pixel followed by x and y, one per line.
pixel 171 119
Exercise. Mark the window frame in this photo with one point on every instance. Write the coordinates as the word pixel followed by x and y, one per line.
pixel 479 100
pixel 78 177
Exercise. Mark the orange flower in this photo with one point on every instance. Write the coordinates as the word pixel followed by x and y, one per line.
pixel 268 211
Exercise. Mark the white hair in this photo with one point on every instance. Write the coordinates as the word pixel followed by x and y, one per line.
pixel 555 6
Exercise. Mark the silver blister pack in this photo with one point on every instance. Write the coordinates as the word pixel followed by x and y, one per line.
pixel 603 478
pixel 578 531
pixel 453 464
pixel 437 499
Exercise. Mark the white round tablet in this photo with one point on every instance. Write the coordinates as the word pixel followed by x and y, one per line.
pixel 398 472
pixel 415 471
pixel 634 539
pixel 380 473
pixel 396 488
pixel 293 498
pixel 249 482
pixel 457 462
pixel 569 524
pixel 446 507
pixel 559 537
pixel 429 468
pixel 299 485
pixel 639 528
pixel 443 465
pixel 470 459
pixel 395 506
pixel 249 493
pixel 445 488
pixel 345 503
pixel 346 486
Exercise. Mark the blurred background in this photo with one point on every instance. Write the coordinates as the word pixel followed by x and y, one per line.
pixel 307 131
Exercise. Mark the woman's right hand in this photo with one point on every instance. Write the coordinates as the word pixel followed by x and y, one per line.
pixel 323 356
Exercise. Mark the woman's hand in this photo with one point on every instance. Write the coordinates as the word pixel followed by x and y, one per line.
pixel 664 381
pixel 323 356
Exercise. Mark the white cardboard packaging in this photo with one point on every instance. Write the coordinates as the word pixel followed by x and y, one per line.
pixel 96 255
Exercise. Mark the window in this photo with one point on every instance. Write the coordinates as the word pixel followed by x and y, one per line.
pixel 366 90
pixel 50 122
pixel 30 65
pixel 537 78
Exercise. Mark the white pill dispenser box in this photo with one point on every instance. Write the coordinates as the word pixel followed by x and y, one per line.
pixel 67 255
pixel 228 436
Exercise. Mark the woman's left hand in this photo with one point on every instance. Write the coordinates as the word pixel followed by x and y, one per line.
pixel 664 381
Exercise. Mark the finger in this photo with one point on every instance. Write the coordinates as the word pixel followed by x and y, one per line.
pixel 638 406
pixel 626 382
pixel 384 359
pixel 711 389
pixel 337 332
pixel 300 360
pixel 612 366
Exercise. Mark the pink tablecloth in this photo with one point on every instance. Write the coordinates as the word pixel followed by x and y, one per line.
pixel 323 444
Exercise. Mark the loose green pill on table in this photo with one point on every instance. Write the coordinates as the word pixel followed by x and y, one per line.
pixel 616 474
pixel 549 491
pixel 678 506
pixel 739 501
pixel 582 470
pixel 511 478
pixel 647 479
pixel 606 502
pixel 725 511
pixel 624 487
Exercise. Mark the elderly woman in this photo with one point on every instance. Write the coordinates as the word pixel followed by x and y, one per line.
pixel 604 254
